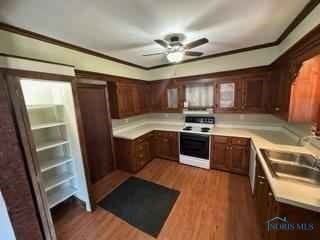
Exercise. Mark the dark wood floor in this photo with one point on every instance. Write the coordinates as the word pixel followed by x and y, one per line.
pixel 212 205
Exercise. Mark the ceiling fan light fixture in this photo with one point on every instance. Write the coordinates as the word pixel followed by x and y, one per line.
pixel 175 57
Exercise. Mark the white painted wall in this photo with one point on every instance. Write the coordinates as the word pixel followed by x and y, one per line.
pixel 6 230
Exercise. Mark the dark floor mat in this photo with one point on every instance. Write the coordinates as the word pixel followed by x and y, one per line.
pixel 143 204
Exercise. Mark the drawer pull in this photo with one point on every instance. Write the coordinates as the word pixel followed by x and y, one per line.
pixel 261 183
pixel 261 177
pixel 270 194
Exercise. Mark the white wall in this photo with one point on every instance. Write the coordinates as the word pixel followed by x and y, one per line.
pixel 6 230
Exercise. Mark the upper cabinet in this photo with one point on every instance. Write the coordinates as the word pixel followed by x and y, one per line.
pixel 227 96
pixel 129 99
pixel 173 98
pixel 254 94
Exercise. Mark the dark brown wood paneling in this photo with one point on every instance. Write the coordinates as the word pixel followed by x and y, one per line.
pixel 14 181
pixel 98 136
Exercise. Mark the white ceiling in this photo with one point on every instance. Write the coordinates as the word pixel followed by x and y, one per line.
pixel 126 29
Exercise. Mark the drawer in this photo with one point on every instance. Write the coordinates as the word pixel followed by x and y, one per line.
pixel 240 141
pixel 220 139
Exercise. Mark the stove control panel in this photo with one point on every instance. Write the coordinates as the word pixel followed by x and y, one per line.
pixel 200 119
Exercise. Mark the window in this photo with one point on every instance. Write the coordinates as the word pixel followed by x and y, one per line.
pixel 199 95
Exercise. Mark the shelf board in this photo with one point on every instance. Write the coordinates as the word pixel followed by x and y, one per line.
pixel 50 144
pixel 41 106
pixel 57 196
pixel 47 125
pixel 54 181
pixel 47 165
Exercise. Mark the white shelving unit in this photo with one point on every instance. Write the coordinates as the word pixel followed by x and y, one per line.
pixel 50 134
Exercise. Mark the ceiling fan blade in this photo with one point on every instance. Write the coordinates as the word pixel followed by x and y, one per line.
pixel 196 43
pixel 162 43
pixel 193 54
pixel 153 54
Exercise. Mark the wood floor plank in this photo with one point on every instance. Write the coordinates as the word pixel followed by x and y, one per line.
pixel 212 205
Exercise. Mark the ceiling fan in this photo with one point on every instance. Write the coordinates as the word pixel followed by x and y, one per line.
pixel 175 50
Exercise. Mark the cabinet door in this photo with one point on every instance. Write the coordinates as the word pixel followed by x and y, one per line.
pixel 220 153
pixel 172 98
pixel 227 96
pixel 174 148
pixel 239 159
pixel 125 94
pixel 253 95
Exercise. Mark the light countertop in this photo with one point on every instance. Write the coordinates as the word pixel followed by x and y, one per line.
pixel 290 192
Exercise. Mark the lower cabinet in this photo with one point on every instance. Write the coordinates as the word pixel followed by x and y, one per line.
pixel 133 155
pixel 230 154
pixel 279 221
pixel 165 145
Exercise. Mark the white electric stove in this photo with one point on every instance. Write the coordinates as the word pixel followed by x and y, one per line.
pixel 195 141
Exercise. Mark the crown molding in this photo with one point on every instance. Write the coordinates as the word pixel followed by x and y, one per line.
pixel 297 20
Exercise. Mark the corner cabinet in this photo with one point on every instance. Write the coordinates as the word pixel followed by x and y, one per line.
pixel 133 155
pixel 230 154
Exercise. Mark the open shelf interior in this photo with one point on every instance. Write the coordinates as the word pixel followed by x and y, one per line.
pixel 60 194
pixel 53 124
pixel 57 176
pixel 54 157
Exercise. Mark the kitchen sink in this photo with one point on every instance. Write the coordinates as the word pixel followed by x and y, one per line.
pixel 293 166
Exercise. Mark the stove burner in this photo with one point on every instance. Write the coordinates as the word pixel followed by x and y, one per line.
pixel 187 128
pixel 205 129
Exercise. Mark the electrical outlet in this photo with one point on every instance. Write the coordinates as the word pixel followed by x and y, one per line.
pixel 166 115
pixel 126 120
pixel 241 116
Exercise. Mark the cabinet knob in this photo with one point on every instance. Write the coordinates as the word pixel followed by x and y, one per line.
pixel 261 183
pixel 270 194
pixel 260 177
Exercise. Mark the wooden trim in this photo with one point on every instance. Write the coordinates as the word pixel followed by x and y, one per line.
pixel 37 75
pixel 304 13
pixel 41 37
pixel 91 82
pixel 28 145
pixel 34 59
pixel 240 50
pixel 298 19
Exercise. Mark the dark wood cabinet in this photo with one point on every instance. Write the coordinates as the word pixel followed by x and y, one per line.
pixel 129 99
pixel 268 208
pixel 133 155
pixel 227 95
pixel 166 145
pixel 230 154
pixel 253 94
